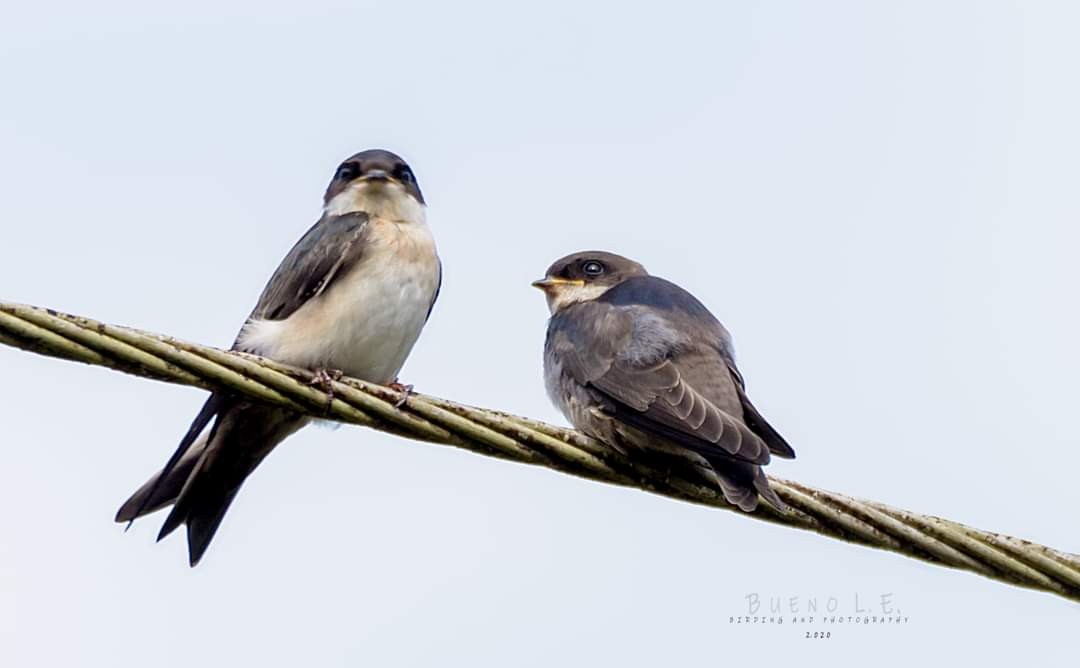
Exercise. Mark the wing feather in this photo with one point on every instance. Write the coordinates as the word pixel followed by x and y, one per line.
pixel 325 253
pixel 658 381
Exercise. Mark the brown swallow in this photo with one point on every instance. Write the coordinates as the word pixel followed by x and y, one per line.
pixel 637 362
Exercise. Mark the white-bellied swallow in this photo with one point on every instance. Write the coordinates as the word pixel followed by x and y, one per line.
pixel 639 363
pixel 351 297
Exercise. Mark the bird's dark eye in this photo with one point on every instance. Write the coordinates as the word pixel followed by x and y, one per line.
pixel 592 268
pixel 405 174
pixel 348 171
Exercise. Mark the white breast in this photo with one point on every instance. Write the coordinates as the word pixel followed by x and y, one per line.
pixel 367 322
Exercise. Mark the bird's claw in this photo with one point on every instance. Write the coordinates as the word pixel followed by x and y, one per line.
pixel 324 380
pixel 406 392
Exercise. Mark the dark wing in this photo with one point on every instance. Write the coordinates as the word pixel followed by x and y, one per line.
pixel 438 288
pixel 657 380
pixel 753 419
pixel 325 253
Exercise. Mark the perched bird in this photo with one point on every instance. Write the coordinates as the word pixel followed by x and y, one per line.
pixel 638 363
pixel 350 297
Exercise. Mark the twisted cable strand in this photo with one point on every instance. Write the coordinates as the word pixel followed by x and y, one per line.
pixel 494 433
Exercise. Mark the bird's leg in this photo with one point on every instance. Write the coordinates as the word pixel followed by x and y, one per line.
pixel 324 380
pixel 406 392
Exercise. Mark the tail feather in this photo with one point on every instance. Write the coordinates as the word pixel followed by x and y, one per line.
pixel 203 521
pixel 761 484
pixel 742 482
pixel 162 489
pixel 202 503
pixel 178 513
pixel 202 481
pixel 139 503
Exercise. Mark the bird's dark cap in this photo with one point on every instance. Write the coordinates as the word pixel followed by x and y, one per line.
pixel 595 267
pixel 374 165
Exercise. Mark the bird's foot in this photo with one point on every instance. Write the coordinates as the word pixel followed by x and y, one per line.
pixel 406 392
pixel 324 380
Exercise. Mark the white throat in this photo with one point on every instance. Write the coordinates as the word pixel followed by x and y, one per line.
pixel 568 295
pixel 379 199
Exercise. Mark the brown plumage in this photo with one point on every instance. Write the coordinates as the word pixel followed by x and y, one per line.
pixel 639 363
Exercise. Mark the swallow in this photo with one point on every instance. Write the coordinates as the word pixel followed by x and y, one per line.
pixel 639 363
pixel 350 297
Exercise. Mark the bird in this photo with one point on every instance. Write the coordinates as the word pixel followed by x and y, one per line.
pixel 638 363
pixel 351 298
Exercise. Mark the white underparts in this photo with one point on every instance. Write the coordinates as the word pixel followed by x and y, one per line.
pixel 367 321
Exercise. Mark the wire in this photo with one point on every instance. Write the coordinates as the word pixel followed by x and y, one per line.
pixel 932 539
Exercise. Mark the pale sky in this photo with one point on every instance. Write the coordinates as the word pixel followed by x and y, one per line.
pixel 879 200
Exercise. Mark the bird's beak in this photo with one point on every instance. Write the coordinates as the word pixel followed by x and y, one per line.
pixel 550 283
pixel 375 175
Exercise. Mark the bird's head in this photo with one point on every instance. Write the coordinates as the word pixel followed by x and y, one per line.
pixel 378 183
pixel 585 276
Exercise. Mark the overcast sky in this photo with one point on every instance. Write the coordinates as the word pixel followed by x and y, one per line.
pixel 878 199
